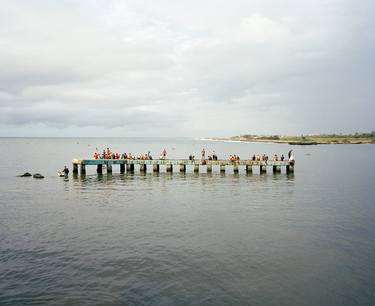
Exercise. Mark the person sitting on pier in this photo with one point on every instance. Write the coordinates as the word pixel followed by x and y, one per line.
pixel 275 158
pixel 203 154
pixel 233 158
pixel 214 156
pixel 282 157
pixel 253 158
pixel 96 155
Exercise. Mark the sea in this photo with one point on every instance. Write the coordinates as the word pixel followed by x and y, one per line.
pixel 303 238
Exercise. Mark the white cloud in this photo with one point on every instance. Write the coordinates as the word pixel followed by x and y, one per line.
pixel 260 29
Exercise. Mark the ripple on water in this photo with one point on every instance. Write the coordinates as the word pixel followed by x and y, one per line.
pixel 189 239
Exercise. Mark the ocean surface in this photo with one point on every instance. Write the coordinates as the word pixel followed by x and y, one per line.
pixel 306 238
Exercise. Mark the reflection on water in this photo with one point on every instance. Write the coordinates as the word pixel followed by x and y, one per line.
pixel 93 181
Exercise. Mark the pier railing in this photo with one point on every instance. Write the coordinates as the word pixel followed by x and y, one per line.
pixel 173 165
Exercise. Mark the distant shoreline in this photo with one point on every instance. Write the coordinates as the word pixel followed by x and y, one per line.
pixel 364 138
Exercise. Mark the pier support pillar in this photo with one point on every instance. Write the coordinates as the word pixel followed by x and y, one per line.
pixel 263 169
pixel 222 168
pixel 209 168
pixel 122 168
pixel 155 167
pixel 75 168
pixel 109 168
pixel 169 168
pixel 249 168
pixel 196 168
pixel 130 167
pixel 142 168
pixel 183 168
pixel 99 169
pixel 83 169
pixel 235 168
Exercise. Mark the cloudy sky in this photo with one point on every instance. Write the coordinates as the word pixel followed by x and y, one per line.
pixel 186 68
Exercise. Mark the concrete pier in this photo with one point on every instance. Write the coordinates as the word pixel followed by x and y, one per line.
pixel 175 165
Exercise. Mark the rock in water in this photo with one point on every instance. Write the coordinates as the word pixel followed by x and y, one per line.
pixel 26 174
pixel 38 176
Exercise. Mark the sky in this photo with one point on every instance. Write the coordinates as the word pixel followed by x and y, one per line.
pixel 186 68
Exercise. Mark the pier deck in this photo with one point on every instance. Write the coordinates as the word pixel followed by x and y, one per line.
pixel 171 165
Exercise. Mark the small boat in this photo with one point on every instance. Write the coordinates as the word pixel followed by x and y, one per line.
pixel 303 143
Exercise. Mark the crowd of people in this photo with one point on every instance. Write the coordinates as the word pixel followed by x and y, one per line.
pixel 264 157
pixel 212 155
pixel 108 154
pixel 234 157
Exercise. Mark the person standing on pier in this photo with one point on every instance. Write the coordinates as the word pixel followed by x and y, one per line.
pixel 291 159
pixel 66 171
pixel 164 154
pixel 290 154
pixel 203 154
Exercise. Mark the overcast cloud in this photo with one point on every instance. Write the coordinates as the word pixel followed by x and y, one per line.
pixel 186 68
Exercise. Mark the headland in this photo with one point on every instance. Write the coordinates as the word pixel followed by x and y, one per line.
pixel 357 138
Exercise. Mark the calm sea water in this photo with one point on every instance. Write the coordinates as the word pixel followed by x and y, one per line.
pixel 186 239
